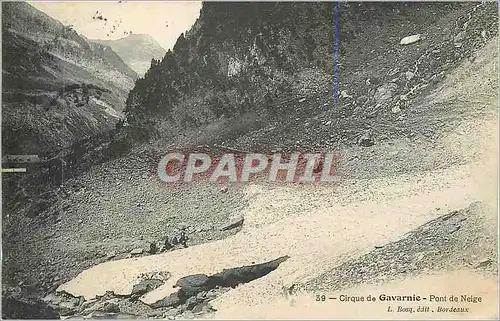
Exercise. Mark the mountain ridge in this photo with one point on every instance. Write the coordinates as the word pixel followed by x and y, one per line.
pixel 136 50
pixel 264 59
pixel 58 87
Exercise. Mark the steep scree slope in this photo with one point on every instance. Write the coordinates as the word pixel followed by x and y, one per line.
pixel 261 60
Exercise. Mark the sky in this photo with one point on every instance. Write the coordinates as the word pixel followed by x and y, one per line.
pixel 163 20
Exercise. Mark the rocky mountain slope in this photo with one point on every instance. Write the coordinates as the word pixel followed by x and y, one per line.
pixel 58 87
pixel 429 212
pixel 427 128
pixel 242 65
pixel 136 50
pixel 231 58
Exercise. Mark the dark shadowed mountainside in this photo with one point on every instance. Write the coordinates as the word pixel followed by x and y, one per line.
pixel 255 63
pixel 58 87
pixel 236 59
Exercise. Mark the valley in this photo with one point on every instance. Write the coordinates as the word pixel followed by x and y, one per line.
pixel 415 138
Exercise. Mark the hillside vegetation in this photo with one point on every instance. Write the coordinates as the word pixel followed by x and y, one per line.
pixel 58 88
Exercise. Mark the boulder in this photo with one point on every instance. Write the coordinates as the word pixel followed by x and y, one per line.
pixel 118 316
pixel 366 140
pixel 233 277
pixel 136 251
pixel 385 92
pixel 191 302
pixel 146 286
pixel 200 308
pixel 395 109
pixel 109 307
pixel 153 248
pixel 171 313
pixel 409 75
pixel 172 300
pixel 180 238
pixel 410 39
pixel 67 307
pixel 192 285
pixel 233 223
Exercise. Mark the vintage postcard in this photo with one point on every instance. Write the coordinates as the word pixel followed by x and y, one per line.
pixel 249 160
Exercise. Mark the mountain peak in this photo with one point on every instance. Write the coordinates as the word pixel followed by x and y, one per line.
pixel 136 50
pixel 139 36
